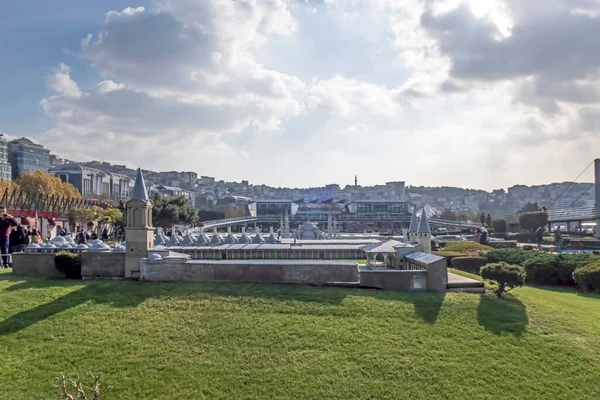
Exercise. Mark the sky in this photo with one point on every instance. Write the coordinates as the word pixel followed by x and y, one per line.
pixel 299 93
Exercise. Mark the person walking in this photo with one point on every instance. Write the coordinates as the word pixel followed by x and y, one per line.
pixel 539 237
pixel 7 223
pixel 558 240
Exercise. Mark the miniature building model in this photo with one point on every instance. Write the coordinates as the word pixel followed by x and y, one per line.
pixel 139 232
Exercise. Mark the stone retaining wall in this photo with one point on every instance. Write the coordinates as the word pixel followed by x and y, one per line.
pixel 35 264
pixel 102 264
pixel 255 271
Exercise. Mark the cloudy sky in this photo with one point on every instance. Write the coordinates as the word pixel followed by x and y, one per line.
pixel 474 93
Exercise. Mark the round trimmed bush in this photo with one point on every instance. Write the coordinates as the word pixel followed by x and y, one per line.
pixel 505 275
pixel 588 277
pixel 466 247
pixel 469 264
pixel 69 264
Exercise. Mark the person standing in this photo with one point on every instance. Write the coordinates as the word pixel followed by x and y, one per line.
pixel 7 223
pixel 539 237
pixel 558 241
pixel 477 236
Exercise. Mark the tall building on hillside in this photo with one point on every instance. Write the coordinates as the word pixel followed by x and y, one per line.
pixel 5 168
pixel 26 156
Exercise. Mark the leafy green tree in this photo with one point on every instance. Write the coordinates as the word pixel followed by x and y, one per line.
pixel 533 220
pixel 168 211
pixel 448 215
pixel 530 207
pixel 505 275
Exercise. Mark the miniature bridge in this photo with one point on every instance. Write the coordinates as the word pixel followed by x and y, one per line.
pixel 230 222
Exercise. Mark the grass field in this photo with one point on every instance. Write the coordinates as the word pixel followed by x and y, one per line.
pixel 193 341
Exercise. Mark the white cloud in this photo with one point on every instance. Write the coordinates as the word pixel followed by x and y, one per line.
pixel 62 83
pixel 433 92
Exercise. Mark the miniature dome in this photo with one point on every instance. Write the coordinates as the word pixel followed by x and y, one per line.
pixel 154 256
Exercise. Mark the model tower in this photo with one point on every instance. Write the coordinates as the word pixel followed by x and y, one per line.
pixel 139 232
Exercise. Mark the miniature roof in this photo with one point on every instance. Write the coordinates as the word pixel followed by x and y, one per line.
pixel 413 222
pixel 424 223
pixel 387 246
pixel 139 191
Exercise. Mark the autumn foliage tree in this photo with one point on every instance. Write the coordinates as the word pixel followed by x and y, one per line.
pixel 44 183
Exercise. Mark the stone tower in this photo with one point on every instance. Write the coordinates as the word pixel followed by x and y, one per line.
pixel 139 232
pixel 424 233
pixel 412 229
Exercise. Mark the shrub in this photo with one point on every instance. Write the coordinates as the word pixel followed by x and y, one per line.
pixel 68 264
pixel 469 264
pixel 523 237
pixel 509 256
pixel 542 269
pixel 465 247
pixel 588 277
pixel 527 247
pixel 505 275
pixel 533 220
pixel 500 235
pixel 449 255
pixel 499 225
pixel 507 244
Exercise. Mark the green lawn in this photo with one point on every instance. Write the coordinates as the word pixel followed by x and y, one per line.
pixel 227 341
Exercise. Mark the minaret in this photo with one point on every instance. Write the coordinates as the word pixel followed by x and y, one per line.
pixel 412 229
pixel 139 232
pixel 355 180
pixel 424 233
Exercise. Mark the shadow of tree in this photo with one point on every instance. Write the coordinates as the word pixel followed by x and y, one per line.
pixel 428 306
pixel 121 293
pixel 502 315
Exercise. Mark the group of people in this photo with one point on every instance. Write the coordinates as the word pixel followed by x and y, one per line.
pixel 481 236
pixel 14 237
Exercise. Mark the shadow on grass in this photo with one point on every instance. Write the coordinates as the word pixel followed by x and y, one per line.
pixel 502 315
pixel 121 293
pixel 568 289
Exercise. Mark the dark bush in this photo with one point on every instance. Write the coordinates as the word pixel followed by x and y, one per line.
pixel 523 237
pixel 500 235
pixel 588 277
pixel 527 247
pixel 542 269
pixel 505 275
pixel 469 264
pixel 509 256
pixel 68 264
pixel 449 255
pixel 506 244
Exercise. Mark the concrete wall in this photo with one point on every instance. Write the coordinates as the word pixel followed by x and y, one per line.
pixel 437 276
pixel 93 264
pixel 35 264
pixel 102 264
pixel 393 279
pixel 255 271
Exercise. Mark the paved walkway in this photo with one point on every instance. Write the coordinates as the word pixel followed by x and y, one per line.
pixel 454 279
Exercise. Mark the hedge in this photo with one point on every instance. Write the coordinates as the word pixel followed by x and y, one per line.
pixel 509 256
pixel 469 264
pixel 449 255
pixel 466 247
pixel 588 277
pixel 506 244
pixel 548 269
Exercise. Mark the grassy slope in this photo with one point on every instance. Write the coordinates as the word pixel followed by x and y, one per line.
pixel 166 341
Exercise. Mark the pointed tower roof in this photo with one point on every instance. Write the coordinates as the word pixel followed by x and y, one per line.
pixel 424 223
pixel 414 223
pixel 139 189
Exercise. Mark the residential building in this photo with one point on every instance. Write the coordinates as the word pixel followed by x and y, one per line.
pixel 94 182
pixel 26 156
pixel 175 191
pixel 5 168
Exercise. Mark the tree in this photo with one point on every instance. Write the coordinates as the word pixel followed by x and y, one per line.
pixel 44 183
pixel 229 211
pixel 168 211
pixel 533 220
pixel 499 225
pixel 448 215
pixel 505 275
pixel 530 207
